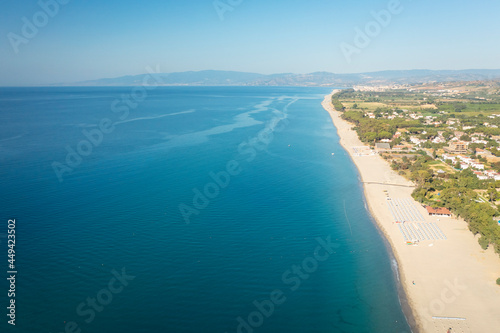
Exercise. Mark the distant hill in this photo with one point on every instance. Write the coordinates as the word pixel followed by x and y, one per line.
pixel 319 79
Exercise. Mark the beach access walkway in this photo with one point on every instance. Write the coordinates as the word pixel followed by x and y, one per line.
pixel 390 184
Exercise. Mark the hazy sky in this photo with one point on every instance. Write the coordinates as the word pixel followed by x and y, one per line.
pixel 88 39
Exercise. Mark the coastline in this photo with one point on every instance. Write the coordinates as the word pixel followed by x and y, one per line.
pixel 454 278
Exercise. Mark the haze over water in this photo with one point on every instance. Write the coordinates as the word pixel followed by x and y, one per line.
pixel 119 209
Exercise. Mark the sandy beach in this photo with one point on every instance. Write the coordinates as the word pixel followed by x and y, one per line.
pixel 449 281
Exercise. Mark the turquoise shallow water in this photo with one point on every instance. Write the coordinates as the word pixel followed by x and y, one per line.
pixel 255 235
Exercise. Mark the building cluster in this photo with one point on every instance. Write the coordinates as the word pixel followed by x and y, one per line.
pixel 456 150
pixel 465 162
pixel 476 167
pixel 456 146
pixel 381 88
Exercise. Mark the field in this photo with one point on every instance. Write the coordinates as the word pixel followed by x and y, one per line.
pixel 456 99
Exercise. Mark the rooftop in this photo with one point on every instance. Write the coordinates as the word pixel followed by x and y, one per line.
pixel 438 211
pixel 382 146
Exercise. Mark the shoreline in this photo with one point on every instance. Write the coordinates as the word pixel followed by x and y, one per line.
pixel 454 278
pixel 404 298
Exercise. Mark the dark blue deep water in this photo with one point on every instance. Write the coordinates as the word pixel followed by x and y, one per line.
pixel 104 185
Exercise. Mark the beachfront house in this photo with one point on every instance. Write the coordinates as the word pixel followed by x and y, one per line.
pixel 440 211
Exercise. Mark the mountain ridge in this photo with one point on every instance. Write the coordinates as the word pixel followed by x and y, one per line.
pixel 319 79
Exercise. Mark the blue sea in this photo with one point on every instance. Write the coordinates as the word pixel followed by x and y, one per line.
pixel 187 209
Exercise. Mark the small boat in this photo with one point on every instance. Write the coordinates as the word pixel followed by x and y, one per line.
pixel 333 154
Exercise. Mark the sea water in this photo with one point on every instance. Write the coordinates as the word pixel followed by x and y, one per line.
pixel 187 209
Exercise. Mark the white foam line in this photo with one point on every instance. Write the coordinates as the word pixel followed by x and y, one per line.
pixel 155 117
pixel 242 120
pixel 12 138
pixel 449 318
pixel 345 212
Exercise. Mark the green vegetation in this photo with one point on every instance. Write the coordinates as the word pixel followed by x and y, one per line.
pixel 498 281
pixel 368 129
pixel 458 194
pixel 417 114
pixel 337 104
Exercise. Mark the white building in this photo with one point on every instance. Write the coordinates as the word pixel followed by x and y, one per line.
pixel 490 173
pixel 447 157
pixel 416 140
pixel 480 175
pixel 478 166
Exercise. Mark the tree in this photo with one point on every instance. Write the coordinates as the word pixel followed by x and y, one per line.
pixel 384 135
pixel 465 137
pixel 498 281
pixel 495 152
pixel 419 194
pixel 492 194
pixel 397 141
pixel 459 107
pixel 337 104
pixel 457 165
pixel 421 176
pixel 370 136
pixel 492 143
pixel 448 135
pixel 484 242
pixel 355 106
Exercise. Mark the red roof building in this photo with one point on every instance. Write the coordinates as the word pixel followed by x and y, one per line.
pixel 440 211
